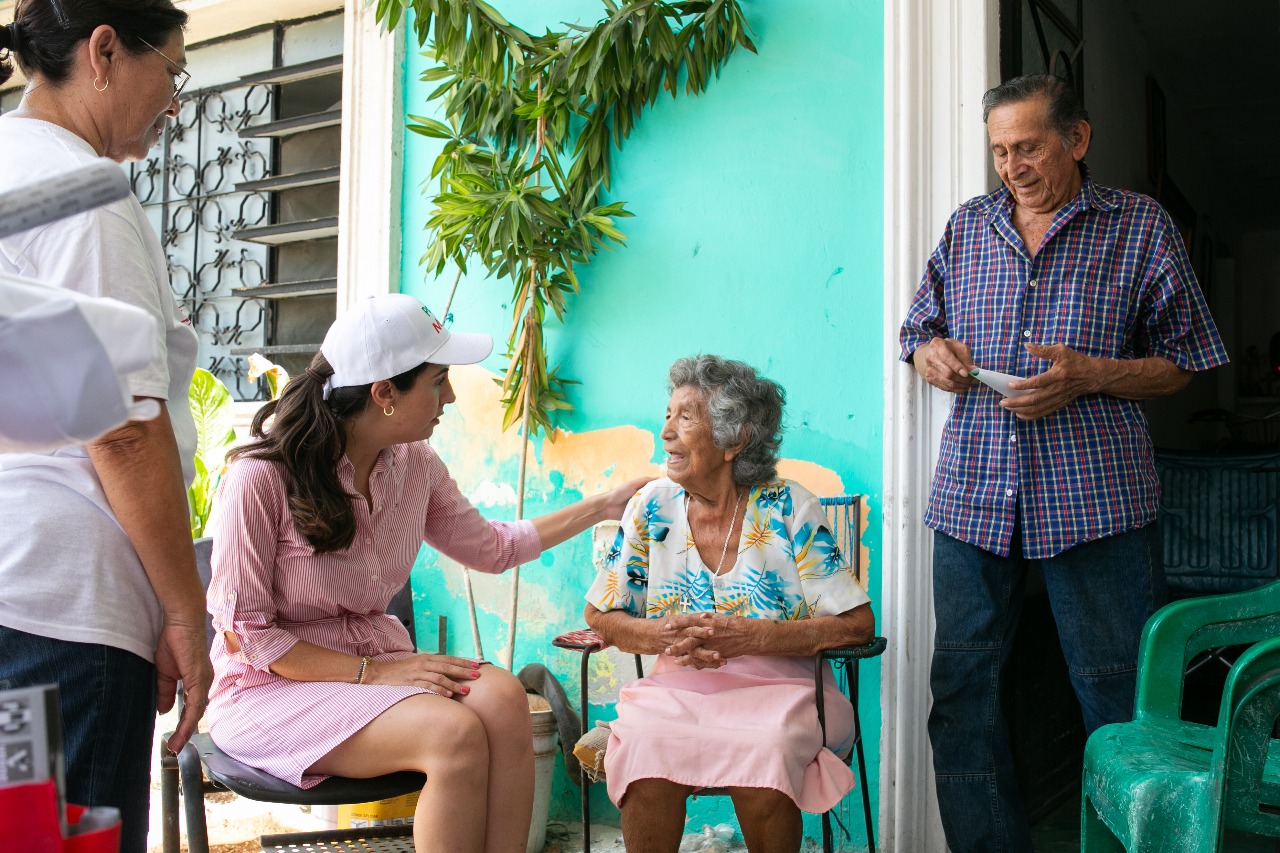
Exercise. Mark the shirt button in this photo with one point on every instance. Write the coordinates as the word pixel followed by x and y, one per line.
pixel 1008 493
pixel 719 583
pixel 368 541
pixel 1013 436
pixel 1032 283
pixel 375 577
pixel 1026 333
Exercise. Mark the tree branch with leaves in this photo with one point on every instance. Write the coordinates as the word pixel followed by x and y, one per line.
pixel 530 124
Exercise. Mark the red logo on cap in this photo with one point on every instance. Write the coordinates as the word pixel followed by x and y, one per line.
pixel 435 324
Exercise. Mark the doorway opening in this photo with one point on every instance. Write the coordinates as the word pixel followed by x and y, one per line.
pixel 1183 108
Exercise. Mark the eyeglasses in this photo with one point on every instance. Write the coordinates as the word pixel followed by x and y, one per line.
pixel 180 77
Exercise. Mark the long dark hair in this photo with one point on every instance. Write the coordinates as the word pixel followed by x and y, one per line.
pixel 44 33
pixel 308 438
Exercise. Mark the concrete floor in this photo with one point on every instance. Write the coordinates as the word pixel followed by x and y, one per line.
pixel 235 824
pixel 1059 831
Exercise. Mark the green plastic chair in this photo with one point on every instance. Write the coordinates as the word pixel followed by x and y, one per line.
pixel 1160 783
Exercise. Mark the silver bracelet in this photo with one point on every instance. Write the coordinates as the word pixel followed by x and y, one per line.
pixel 364 664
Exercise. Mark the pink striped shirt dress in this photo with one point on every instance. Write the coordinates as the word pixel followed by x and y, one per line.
pixel 271 590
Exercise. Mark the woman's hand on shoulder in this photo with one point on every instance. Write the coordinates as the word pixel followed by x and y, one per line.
pixel 445 675
pixel 615 500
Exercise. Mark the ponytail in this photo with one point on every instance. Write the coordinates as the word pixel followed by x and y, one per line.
pixel 307 436
pixel 10 45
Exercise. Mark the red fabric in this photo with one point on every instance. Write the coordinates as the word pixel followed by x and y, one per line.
pixel 582 639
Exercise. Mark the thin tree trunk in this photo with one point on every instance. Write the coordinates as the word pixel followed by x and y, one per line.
pixel 514 610
pixel 466 572
pixel 528 376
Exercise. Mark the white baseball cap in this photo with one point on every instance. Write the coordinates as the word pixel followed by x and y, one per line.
pixel 383 336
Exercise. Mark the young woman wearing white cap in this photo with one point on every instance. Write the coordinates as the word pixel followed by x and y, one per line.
pixel 318 523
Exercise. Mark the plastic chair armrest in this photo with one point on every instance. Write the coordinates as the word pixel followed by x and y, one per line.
pixel 1167 640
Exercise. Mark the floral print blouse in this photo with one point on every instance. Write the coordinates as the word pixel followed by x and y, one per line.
pixel 788 564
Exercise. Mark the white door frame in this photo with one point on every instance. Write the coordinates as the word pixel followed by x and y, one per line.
pixel 940 56
pixel 370 195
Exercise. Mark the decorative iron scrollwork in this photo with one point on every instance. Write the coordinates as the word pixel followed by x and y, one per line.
pixel 188 190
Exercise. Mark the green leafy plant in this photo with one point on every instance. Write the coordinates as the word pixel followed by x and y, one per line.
pixel 214 413
pixel 530 124
pixel 211 407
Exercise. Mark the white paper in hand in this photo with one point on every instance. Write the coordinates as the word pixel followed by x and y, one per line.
pixel 998 381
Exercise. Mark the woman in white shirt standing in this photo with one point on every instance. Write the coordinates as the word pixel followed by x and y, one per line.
pixel 98 588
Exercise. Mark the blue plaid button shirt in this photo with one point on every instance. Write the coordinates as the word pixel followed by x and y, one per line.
pixel 1111 280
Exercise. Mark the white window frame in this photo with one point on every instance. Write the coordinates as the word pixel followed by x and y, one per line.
pixel 373 70
pixel 372 128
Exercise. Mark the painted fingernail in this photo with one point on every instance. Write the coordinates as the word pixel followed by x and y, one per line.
pixel 464 690
pixel 475 673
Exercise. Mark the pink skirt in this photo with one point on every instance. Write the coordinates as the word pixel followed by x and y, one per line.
pixel 282 727
pixel 752 723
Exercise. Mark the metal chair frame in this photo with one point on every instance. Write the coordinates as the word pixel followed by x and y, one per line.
pixel 847 512
pixel 841 659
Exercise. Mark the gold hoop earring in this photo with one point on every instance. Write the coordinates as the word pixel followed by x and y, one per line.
pixel 389 411
pixel 105 84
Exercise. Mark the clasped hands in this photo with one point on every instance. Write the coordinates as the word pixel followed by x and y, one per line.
pixel 945 364
pixel 705 640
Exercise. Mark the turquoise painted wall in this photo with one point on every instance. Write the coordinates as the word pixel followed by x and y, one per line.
pixel 758 235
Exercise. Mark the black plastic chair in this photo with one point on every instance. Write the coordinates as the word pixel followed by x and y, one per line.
pixel 202 768
pixel 845 513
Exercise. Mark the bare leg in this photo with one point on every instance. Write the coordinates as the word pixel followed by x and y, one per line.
pixel 770 820
pixel 653 813
pixel 441 738
pixel 497 698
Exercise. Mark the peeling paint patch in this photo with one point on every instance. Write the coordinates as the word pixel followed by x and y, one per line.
pixel 490 493
pixel 600 459
pixel 814 477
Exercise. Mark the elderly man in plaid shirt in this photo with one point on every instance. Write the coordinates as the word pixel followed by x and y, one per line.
pixel 1087 292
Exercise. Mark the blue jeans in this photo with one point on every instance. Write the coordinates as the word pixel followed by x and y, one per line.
pixel 108 699
pixel 1102 594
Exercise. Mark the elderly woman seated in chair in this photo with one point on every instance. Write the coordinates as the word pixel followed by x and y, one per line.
pixel 733 578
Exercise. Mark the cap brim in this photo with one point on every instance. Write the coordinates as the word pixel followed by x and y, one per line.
pixel 463 348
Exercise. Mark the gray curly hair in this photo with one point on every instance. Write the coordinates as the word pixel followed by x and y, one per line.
pixel 743 407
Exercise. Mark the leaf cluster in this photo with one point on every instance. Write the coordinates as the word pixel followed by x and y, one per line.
pixel 213 413
pixel 530 124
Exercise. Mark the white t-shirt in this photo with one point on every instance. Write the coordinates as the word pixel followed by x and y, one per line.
pixel 67 570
